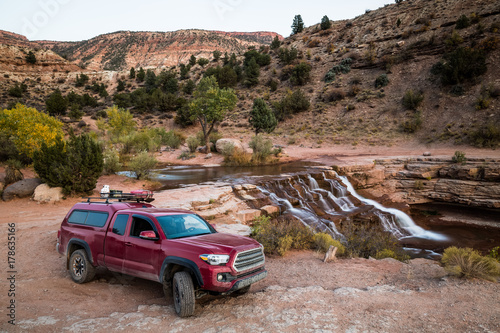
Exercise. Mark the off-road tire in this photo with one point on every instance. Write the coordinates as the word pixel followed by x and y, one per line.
pixel 80 267
pixel 183 294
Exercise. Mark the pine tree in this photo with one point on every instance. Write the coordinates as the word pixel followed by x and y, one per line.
pixel 262 117
pixel 297 25
pixel 192 60
pixel 325 23
pixel 276 43
pixel 141 75
pixel 56 104
pixel 132 73
pixel 31 58
pixel 252 72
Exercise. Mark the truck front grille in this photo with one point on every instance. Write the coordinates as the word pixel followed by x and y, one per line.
pixel 249 259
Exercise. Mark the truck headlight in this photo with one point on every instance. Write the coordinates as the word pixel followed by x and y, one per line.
pixel 215 259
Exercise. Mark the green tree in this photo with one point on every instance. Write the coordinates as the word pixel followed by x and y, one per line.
pixel 297 25
pixel 262 117
pixel 276 43
pixel 28 129
pixel 325 23
pixel 150 82
pixel 300 73
pixel 140 75
pixel 74 166
pixel 81 80
pixel 56 104
pixel 132 73
pixel 120 121
pixel 210 105
pixel 192 60
pixel 189 87
pixel 252 72
pixel 217 54
pixel 121 86
pixel 202 62
pixel 31 58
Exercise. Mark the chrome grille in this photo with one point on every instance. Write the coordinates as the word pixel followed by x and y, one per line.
pixel 249 259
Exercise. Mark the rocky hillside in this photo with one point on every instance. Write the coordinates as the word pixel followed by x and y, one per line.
pixel 391 74
pixel 124 49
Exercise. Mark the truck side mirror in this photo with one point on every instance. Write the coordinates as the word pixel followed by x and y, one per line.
pixel 148 234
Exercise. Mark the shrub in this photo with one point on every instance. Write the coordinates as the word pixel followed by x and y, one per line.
pixel 56 104
pixel 16 91
pixel 381 81
pixel 468 263
pixel 323 241
pixel 142 164
pixel 486 136
pixel 335 95
pixel 293 102
pixel 412 99
pixel 192 143
pixel 495 253
pixel 286 56
pixel 300 74
pixel 344 67
pixel 462 22
pixel 459 157
pixel 279 236
pixel 262 148
pixel 461 65
pixel 172 138
pixel 202 62
pixel 236 157
pixel 365 241
pixel 75 113
pixel 414 124
pixel 75 166
pixel 325 23
pixel 111 162
pixel 135 142
pixel 31 58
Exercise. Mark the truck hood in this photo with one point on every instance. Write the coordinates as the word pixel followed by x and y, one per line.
pixel 220 243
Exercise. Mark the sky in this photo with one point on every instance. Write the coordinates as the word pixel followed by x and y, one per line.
pixel 75 20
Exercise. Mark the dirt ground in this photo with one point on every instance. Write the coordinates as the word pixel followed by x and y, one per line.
pixel 301 293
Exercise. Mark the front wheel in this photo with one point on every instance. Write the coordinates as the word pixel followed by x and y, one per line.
pixel 183 293
pixel 80 268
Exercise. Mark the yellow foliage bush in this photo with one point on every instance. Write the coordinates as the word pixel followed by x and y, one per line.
pixel 28 128
pixel 323 241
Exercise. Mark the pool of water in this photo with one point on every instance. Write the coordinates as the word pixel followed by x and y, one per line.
pixel 183 176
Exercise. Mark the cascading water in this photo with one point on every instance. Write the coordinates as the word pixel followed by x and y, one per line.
pixel 302 197
pixel 396 220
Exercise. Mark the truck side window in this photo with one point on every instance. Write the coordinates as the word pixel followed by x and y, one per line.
pixel 120 224
pixel 139 225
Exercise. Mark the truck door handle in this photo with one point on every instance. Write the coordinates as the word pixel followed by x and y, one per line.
pixel 128 244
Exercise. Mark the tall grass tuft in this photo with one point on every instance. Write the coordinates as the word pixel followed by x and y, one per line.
pixel 468 263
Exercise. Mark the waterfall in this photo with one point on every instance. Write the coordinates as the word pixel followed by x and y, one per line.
pixel 399 218
pixel 302 197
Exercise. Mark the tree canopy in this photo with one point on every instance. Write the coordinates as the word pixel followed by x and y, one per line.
pixel 210 105
pixel 262 117
pixel 297 25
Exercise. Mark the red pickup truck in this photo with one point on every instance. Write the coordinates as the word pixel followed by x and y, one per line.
pixel 171 246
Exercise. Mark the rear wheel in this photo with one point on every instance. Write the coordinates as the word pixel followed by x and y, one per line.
pixel 183 293
pixel 80 268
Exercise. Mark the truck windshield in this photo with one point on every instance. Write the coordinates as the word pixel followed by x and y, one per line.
pixel 185 225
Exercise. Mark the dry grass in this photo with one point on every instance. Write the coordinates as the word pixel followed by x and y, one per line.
pixel 468 263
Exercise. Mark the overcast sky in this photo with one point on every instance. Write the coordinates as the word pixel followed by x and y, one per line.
pixel 74 20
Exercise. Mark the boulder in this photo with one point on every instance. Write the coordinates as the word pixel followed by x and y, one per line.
pixel 270 210
pixel 45 193
pixel 21 189
pixel 222 143
pixel 247 215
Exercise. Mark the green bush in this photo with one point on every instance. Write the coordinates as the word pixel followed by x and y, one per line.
pixel 56 104
pixel 111 162
pixel 462 22
pixel 461 65
pixel 192 143
pixel 300 74
pixel 468 263
pixel 74 166
pixel 344 67
pixel 459 157
pixel 412 99
pixel 16 91
pixel 279 236
pixel 293 102
pixel 323 241
pixel 262 148
pixel 412 125
pixel 381 81
pixel 142 164
pixel 138 141
pixel 363 240
pixel 495 253
pixel 486 136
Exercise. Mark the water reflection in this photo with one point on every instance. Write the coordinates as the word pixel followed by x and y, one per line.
pixel 183 176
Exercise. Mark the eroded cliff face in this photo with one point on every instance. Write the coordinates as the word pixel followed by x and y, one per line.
pixel 475 183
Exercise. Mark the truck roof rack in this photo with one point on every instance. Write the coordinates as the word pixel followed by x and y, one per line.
pixel 138 196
